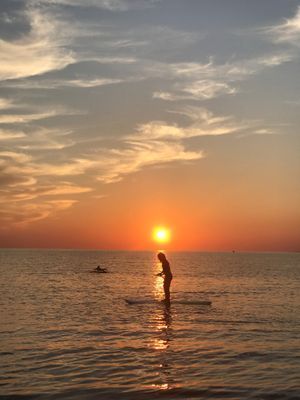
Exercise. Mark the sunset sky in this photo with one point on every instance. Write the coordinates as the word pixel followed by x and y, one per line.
pixel 117 116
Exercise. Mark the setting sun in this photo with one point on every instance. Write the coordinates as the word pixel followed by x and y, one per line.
pixel 161 235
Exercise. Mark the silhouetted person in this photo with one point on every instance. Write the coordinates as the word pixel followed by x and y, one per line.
pixel 100 269
pixel 167 274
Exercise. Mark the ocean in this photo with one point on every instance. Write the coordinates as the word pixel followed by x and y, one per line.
pixel 67 333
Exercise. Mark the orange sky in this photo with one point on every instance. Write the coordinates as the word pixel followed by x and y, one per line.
pixel 203 213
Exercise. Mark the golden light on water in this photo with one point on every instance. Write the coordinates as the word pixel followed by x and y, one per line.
pixel 161 234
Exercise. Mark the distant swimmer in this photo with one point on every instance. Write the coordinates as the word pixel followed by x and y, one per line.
pixel 167 274
pixel 100 270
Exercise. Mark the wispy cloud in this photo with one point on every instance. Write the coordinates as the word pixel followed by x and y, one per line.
pixel 139 154
pixel 264 131
pixel 40 51
pixel 202 81
pixel 18 157
pixel 158 142
pixel 288 31
pixel 25 118
pixel 6 134
pixel 22 184
pixel 202 123
pixel 16 113
pixel 197 90
pixel 46 139
pixel 5 104
pixel 114 60
pixel 55 84
pixel 60 190
pixel 111 5
pixel 20 215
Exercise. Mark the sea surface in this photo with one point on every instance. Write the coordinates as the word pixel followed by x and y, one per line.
pixel 67 333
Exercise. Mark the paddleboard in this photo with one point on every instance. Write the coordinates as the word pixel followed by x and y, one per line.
pixel 184 302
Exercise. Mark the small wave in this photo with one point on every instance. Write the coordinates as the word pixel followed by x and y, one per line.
pixel 229 393
pixel 6 353
pixel 229 321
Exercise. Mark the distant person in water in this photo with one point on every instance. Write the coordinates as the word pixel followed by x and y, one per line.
pixel 167 274
pixel 100 269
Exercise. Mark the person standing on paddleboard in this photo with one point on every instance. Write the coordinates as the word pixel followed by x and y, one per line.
pixel 166 273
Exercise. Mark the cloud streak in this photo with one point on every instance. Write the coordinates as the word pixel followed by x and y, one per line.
pixel 21 215
pixel 286 32
pixel 111 5
pixel 6 135
pixel 140 154
pixel 204 81
pixel 40 51
pixel 63 83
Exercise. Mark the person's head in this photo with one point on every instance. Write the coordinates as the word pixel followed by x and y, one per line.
pixel 161 257
pixel 98 268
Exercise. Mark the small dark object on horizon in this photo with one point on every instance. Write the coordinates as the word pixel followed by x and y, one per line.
pixel 100 270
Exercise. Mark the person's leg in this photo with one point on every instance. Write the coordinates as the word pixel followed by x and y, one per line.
pixel 167 283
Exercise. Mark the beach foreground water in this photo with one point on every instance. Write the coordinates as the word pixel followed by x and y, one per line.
pixel 69 334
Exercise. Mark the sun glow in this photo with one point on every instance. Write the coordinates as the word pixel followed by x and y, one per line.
pixel 161 235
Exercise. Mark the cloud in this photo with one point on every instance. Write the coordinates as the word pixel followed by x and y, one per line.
pixel 5 104
pixel 114 60
pixel 197 90
pixel 109 165
pixel 25 118
pixel 140 154
pixel 46 139
pixel 19 113
pixel 8 135
pixel 85 83
pixel 160 143
pixel 286 32
pixel 57 190
pixel 264 131
pixel 20 215
pixel 30 137
pixel 203 81
pixel 203 123
pixel 40 51
pixel 54 84
pixel 9 179
pixel 128 155
pixel 21 184
pixel 111 5
pixel 73 167
pixel 17 157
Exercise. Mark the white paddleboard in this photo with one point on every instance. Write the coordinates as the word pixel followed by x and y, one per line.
pixel 153 301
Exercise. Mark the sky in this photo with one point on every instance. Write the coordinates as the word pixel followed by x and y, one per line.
pixel 117 116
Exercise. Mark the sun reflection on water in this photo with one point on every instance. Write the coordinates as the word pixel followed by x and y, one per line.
pixel 161 343
pixel 162 386
pixel 158 282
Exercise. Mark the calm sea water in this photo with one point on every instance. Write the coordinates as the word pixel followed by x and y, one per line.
pixel 67 333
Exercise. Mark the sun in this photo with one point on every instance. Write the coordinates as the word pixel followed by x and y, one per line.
pixel 161 234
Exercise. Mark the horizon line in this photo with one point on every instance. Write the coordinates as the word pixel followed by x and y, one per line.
pixel 233 251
